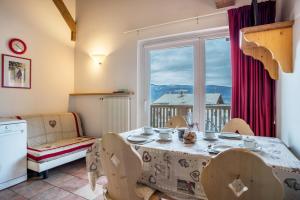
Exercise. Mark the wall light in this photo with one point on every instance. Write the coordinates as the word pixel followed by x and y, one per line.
pixel 98 58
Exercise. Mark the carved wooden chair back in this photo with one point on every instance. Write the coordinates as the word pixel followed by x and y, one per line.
pixel 238 174
pixel 237 125
pixel 122 166
pixel 176 122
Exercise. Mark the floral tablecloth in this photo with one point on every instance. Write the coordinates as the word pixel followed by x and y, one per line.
pixel 175 168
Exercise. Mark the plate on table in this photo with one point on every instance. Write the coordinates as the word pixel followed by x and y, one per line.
pixel 137 138
pixel 230 135
pixel 220 148
pixel 164 130
pixel 255 149
pixel 147 134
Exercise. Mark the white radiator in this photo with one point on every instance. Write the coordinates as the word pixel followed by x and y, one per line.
pixel 116 114
pixel 102 114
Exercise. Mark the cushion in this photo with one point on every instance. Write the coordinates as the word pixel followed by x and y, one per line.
pixel 50 128
pixel 54 150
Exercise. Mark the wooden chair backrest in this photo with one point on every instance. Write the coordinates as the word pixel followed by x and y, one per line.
pixel 122 166
pixel 237 124
pixel 249 168
pixel 176 122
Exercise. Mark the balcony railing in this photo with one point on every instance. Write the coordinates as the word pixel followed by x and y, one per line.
pixel 216 116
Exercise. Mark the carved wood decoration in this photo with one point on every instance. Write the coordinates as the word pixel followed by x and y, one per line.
pixel 67 17
pixel 271 44
pixel 224 3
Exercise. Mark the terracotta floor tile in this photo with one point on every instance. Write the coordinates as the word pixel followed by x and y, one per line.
pixel 73 184
pixel 82 173
pixel 58 178
pixel 61 184
pixel 54 193
pixel 10 195
pixel 31 188
pixel 73 197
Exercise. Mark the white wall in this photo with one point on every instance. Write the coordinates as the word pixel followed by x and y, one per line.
pixel 40 25
pixel 289 85
pixel 100 31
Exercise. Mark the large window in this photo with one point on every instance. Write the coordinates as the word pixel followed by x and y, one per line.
pixel 187 76
pixel 171 83
pixel 217 83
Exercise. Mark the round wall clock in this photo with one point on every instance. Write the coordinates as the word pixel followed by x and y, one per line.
pixel 17 46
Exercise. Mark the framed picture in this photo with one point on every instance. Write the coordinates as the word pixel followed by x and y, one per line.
pixel 16 72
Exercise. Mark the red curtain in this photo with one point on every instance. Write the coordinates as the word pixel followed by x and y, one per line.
pixel 253 91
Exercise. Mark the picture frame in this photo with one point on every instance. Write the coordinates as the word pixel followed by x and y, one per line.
pixel 16 72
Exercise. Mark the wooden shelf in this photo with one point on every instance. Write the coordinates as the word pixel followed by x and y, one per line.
pixel 101 94
pixel 272 44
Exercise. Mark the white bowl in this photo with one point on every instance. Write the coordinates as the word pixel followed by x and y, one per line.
pixel 164 130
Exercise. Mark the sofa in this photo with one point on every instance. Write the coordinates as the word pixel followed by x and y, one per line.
pixel 54 139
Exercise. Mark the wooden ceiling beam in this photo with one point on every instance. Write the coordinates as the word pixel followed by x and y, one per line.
pixel 67 17
pixel 224 3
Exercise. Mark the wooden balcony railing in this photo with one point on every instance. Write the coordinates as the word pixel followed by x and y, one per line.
pixel 216 116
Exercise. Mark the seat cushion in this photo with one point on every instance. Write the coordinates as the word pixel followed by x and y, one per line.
pixel 51 128
pixel 51 151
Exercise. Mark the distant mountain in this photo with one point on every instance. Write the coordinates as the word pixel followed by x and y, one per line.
pixel 158 90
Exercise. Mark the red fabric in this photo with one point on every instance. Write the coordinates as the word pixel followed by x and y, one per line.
pixel 76 122
pixel 51 155
pixel 253 91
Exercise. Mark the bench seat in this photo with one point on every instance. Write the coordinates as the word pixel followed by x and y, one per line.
pixel 54 139
pixel 48 152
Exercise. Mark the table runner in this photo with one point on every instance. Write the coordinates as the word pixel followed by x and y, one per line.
pixel 175 168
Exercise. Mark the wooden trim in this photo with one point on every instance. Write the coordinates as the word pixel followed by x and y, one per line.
pixel 268 27
pixel 67 17
pixel 272 44
pixel 102 94
pixel 224 3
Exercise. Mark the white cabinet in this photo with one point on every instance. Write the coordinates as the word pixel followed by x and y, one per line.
pixel 13 152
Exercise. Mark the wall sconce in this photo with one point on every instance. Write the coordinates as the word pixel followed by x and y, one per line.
pixel 98 58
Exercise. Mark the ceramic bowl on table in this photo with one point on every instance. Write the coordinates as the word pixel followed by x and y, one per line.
pixel 250 144
pixel 210 136
pixel 165 133
pixel 147 130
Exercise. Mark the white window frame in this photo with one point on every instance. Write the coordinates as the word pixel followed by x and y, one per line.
pixel 195 39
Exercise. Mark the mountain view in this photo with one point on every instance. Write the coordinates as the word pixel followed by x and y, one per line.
pixel 158 90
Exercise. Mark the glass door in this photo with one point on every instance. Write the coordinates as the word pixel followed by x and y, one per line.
pixel 171 90
pixel 187 77
pixel 217 83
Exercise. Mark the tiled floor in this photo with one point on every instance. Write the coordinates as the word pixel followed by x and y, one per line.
pixel 67 182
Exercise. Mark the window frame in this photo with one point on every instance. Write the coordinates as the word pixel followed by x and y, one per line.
pixel 195 39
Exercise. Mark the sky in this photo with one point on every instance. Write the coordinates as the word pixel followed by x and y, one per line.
pixel 175 65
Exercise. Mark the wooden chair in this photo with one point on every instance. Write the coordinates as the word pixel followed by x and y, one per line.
pixel 176 122
pixel 234 168
pixel 237 124
pixel 123 167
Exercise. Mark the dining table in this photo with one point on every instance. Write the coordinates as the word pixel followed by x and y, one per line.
pixel 175 168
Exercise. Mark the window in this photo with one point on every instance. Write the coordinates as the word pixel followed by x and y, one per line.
pixel 171 83
pixel 187 75
pixel 217 83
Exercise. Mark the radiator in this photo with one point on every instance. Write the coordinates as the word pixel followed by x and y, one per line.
pixel 115 114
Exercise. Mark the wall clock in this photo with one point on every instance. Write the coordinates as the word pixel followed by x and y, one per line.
pixel 17 46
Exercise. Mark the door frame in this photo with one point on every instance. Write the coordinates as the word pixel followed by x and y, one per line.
pixel 197 39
